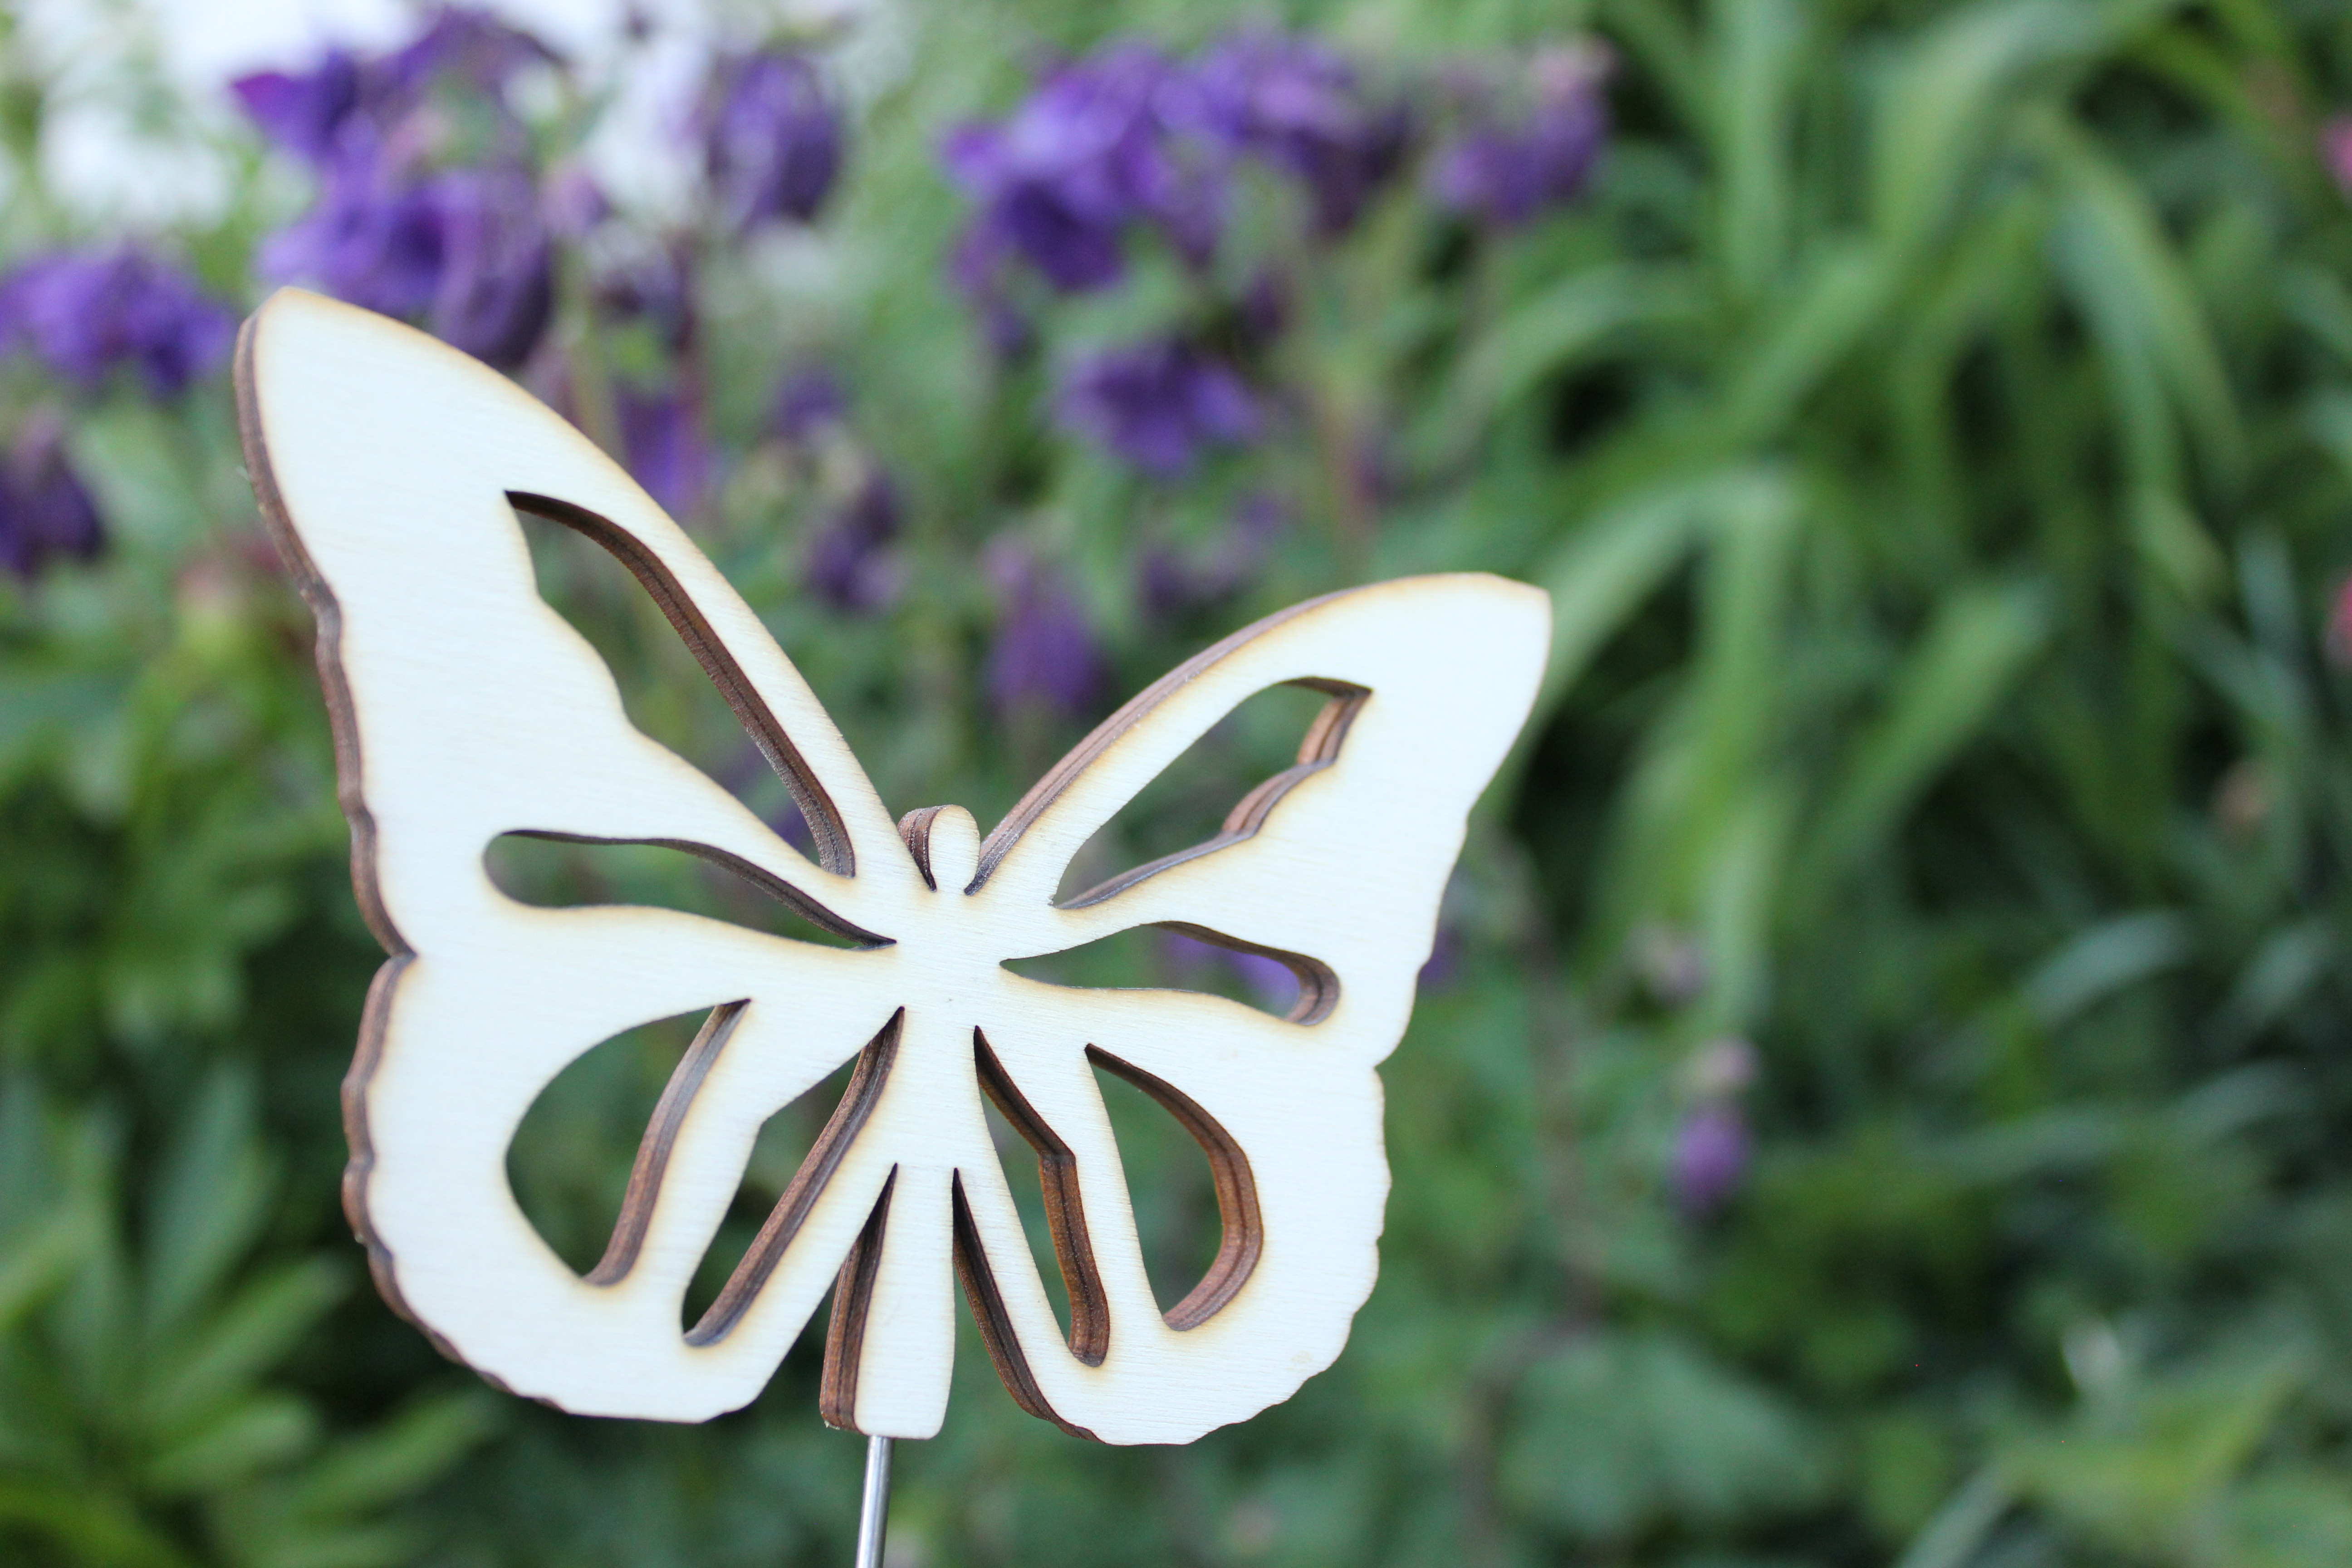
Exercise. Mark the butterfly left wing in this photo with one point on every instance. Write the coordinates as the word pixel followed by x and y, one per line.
pixel 1336 867
pixel 390 468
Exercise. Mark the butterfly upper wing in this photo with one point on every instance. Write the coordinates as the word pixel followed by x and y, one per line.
pixel 1338 864
pixel 390 467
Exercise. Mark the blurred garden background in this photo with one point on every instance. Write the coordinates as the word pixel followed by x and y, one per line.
pixel 1883 1093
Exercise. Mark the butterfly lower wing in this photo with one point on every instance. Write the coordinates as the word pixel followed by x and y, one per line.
pixel 1293 1137
pixel 390 469
pixel 1338 866
pixel 459 1046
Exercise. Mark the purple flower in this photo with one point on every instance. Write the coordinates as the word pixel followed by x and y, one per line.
pixel 1298 105
pixel 1046 656
pixel 1442 967
pixel 1090 153
pixel 849 561
pixel 372 237
pixel 304 112
pixel 2336 150
pixel 1157 405
pixel 410 220
pixel 808 401
pixel 496 288
pixel 465 248
pixel 1507 172
pixel 44 509
pixel 658 290
pixel 664 447
pixel 86 314
pixel 348 105
pixel 1193 964
pixel 462 46
pixel 772 139
pixel 1710 1157
pixel 575 204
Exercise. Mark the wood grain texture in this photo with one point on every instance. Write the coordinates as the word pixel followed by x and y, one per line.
pixel 391 469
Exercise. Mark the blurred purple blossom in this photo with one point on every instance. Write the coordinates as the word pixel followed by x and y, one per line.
pixel 665 449
pixel 496 288
pixel 1444 965
pixel 88 313
pixel 772 139
pixel 466 46
pixel 1088 154
pixel 411 218
pixel 657 290
pixel 1275 983
pixel 372 237
pixel 575 204
pixel 1046 655
pixel 808 401
pixel 349 105
pixel 849 561
pixel 44 510
pixel 465 249
pixel 1710 1158
pixel 1298 105
pixel 1158 404
pixel 1195 964
pixel 303 113
pixel 2336 150
pixel 1173 583
pixel 1505 171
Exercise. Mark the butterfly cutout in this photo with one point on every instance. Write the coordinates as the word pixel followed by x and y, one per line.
pixel 390 468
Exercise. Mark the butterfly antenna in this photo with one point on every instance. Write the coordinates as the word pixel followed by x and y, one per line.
pixel 873 1513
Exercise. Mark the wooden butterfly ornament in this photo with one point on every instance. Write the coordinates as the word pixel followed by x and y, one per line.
pixel 390 468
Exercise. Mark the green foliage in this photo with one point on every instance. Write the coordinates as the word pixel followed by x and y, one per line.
pixel 1935 432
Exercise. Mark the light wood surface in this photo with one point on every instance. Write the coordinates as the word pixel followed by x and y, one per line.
pixel 390 468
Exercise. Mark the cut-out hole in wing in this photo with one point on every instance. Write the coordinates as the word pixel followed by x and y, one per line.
pixel 1066 1258
pixel 678 684
pixel 1025 1177
pixel 778 1154
pixel 1289 986
pixel 1195 1199
pixel 1219 789
pixel 583 1145
pixel 800 1195
pixel 555 873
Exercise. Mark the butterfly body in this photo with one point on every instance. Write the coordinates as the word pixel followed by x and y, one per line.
pixel 392 470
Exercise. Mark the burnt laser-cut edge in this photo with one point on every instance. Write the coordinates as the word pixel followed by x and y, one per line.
pixel 1243 1226
pixel 831 834
pixel 1317 750
pixel 915 828
pixel 661 1136
pixel 343 723
pixel 1241 1242
pixel 995 1324
pixel 793 899
pixel 1065 1213
pixel 808 1183
pixel 852 1297
pixel 1031 807
pixel 1319 985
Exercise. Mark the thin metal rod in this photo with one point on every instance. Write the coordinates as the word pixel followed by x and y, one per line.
pixel 873 1513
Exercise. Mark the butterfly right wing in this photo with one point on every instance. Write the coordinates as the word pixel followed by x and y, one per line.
pixel 390 467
